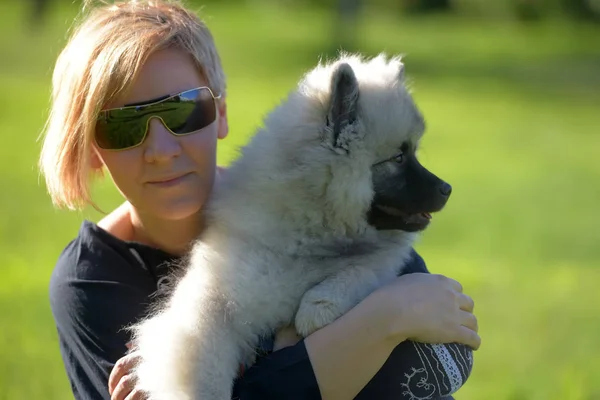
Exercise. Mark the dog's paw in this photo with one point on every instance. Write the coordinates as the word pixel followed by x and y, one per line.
pixel 314 314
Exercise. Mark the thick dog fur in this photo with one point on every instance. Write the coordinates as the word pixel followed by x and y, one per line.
pixel 288 239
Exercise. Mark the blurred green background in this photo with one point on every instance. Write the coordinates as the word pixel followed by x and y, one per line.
pixel 511 94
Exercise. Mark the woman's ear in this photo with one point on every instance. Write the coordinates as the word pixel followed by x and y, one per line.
pixel 95 159
pixel 223 128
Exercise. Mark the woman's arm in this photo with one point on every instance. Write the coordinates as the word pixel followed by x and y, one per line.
pixel 332 363
pixel 95 293
pixel 360 352
pixel 89 318
pixel 346 354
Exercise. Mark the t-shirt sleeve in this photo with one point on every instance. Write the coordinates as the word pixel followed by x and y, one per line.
pixel 415 264
pixel 87 303
pixel 420 370
pixel 284 374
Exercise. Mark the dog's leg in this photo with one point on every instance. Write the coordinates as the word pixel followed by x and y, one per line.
pixel 336 295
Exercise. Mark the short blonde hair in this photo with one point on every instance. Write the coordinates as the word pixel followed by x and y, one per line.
pixel 102 57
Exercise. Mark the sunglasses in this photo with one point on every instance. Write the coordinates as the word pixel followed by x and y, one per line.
pixel 182 114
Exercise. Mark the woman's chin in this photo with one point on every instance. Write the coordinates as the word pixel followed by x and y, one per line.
pixel 179 209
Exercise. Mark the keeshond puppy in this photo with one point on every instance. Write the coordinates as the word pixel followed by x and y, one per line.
pixel 320 209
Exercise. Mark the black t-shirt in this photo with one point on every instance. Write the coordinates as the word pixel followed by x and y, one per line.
pixel 102 284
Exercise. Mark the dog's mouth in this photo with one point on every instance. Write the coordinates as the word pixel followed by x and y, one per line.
pixel 387 218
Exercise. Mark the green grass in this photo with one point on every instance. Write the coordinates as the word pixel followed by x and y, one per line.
pixel 512 124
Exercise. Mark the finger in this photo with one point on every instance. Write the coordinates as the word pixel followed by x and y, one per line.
pixel 455 285
pixel 469 320
pixel 466 303
pixel 121 368
pixel 137 394
pixel 124 388
pixel 468 337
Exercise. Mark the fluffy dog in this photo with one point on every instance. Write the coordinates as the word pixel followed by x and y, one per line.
pixel 321 209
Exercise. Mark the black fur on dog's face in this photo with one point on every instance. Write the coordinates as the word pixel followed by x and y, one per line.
pixel 406 193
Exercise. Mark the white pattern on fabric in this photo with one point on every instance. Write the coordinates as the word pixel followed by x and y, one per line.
pixel 450 366
pixel 417 381
pixel 440 368
pixel 463 363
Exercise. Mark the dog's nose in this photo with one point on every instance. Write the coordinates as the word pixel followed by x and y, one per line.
pixel 446 189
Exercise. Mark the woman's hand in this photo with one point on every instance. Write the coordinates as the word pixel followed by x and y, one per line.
pixel 286 337
pixel 429 308
pixel 121 384
pixel 424 307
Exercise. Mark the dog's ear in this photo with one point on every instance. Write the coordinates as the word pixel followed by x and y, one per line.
pixel 343 104
pixel 401 72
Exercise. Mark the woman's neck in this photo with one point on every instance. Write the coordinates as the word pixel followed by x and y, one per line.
pixel 171 236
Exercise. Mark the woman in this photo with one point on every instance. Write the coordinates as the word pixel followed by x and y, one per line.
pixel 139 91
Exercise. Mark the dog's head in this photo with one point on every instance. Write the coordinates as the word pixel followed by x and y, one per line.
pixel 338 157
pixel 373 117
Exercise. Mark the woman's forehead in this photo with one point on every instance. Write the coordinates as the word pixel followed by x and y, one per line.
pixel 165 72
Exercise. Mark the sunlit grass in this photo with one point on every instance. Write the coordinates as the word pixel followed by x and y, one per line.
pixel 512 125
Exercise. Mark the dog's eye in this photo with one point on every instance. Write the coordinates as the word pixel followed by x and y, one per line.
pixel 399 158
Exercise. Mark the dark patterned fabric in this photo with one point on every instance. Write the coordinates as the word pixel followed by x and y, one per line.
pixel 418 371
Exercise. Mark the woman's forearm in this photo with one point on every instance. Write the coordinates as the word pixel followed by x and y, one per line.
pixel 346 354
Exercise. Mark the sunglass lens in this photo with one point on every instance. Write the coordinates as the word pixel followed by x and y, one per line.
pixel 193 111
pixel 120 129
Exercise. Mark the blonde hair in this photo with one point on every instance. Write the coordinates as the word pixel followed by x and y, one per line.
pixel 102 57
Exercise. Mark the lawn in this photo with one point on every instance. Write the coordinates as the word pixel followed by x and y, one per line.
pixel 512 115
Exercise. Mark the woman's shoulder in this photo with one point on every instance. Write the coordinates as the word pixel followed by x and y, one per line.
pixel 97 254
pixel 98 287
pixel 92 254
pixel 95 270
pixel 118 222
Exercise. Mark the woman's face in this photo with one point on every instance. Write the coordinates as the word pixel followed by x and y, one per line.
pixel 167 176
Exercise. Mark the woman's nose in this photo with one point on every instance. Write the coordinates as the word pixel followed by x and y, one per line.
pixel 161 144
